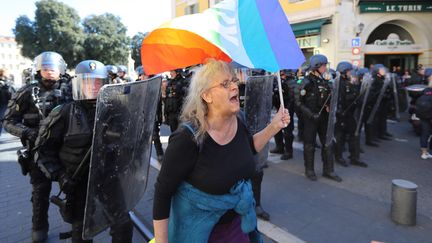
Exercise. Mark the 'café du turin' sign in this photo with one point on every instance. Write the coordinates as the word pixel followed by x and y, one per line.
pixel 393 40
pixel 392 43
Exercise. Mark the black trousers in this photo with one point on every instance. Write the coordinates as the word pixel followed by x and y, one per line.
pixel 382 115
pixel 156 139
pixel 119 233
pixel 256 186
pixel 287 135
pixel 345 132
pixel 311 130
pixel 41 189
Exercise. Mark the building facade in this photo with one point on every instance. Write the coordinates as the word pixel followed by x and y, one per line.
pixel 364 32
pixel 12 60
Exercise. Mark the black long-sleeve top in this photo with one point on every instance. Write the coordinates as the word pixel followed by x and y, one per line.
pixel 210 167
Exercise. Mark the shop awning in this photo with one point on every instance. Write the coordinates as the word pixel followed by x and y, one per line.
pixel 308 28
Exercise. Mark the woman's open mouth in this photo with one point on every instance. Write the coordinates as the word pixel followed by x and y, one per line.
pixel 234 99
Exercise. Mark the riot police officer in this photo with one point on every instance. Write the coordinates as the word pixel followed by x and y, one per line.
pixel 122 74
pixel 158 121
pixel 64 139
pixel 313 99
pixel 377 122
pixel 29 105
pixel 288 83
pixel 113 74
pixel 346 123
pixel 175 92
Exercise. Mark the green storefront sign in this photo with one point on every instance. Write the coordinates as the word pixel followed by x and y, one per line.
pixel 372 7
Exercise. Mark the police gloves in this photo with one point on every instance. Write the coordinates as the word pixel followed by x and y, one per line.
pixel 67 184
pixel 30 134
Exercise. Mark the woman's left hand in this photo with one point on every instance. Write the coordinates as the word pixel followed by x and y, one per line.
pixel 281 119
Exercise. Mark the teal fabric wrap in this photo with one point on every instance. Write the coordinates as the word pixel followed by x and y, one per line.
pixel 194 213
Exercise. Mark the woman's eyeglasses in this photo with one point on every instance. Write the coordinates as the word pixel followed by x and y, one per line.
pixel 227 83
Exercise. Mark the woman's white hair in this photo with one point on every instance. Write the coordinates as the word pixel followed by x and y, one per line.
pixel 195 109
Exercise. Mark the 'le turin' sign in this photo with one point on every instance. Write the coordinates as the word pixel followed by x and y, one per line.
pixel 394 8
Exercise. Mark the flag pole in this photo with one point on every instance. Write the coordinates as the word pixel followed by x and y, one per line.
pixel 279 81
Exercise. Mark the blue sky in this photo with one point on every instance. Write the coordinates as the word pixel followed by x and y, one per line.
pixel 136 15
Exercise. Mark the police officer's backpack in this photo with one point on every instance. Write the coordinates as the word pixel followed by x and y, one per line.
pixel 424 106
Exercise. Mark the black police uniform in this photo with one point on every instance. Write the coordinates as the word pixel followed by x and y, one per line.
pixel 156 130
pixel 383 113
pixel 64 138
pixel 25 110
pixel 175 92
pixel 371 128
pixel 311 98
pixel 346 124
pixel 288 85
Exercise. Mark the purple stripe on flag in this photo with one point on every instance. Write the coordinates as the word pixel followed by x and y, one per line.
pixel 280 35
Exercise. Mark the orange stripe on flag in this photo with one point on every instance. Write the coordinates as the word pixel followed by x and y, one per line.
pixel 168 49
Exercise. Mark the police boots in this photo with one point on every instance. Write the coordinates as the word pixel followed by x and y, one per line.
pixel 328 170
pixel 308 153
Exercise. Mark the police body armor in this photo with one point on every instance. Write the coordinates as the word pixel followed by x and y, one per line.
pixel 380 87
pixel 26 109
pixel 314 95
pixel 174 95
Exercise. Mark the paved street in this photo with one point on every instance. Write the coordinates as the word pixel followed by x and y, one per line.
pixel 356 210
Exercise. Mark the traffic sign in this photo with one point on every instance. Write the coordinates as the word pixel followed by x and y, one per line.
pixel 356 51
pixel 356 42
pixel 356 63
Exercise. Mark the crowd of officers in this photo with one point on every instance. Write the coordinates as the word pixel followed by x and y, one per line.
pixel 54 114
pixel 309 96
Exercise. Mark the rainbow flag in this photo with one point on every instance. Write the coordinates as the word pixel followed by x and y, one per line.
pixel 253 33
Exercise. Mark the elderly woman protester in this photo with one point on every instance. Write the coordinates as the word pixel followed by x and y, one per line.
pixel 203 192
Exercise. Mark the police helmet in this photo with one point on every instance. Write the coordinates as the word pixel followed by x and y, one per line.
pixel 122 68
pixel 344 67
pixel 428 72
pixel 140 70
pixel 111 69
pixel 91 75
pixel 317 61
pixel 362 71
pixel 376 68
pixel 50 60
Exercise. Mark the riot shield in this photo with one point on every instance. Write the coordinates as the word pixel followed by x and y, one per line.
pixel 333 109
pixel 387 82
pixel 120 159
pixel 258 105
pixel 395 95
pixel 365 89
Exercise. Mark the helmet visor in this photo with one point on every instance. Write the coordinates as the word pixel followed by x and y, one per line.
pixel 86 86
pixel 50 62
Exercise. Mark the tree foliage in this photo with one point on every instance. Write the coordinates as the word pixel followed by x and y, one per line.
pixel 136 47
pixel 56 28
pixel 106 39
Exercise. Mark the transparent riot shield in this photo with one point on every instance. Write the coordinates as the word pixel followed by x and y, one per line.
pixel 258 105
pixel 365 90
pixel 121 150
pixel 387 82
pixel 395 95
pixel 333 109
